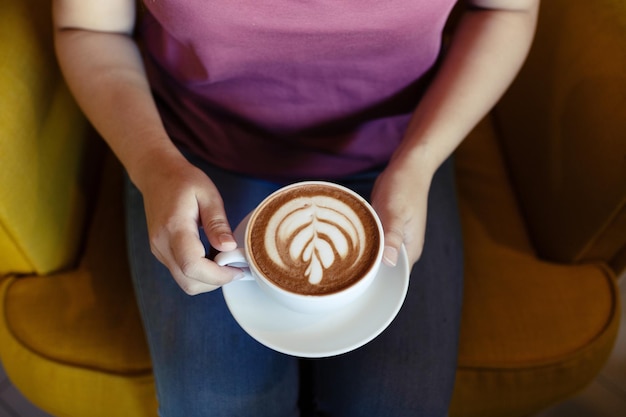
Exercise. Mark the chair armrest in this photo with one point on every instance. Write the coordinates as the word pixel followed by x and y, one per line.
pixel 42 147
pixel 562 128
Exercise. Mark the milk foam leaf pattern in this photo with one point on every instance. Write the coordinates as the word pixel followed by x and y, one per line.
pixel 317 234
pixel 315 271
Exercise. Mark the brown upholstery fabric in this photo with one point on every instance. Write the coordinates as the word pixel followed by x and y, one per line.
pixel 563 126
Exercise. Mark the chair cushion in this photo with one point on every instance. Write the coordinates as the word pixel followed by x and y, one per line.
pixel 42 145
pixel 533 332
pixel 80 329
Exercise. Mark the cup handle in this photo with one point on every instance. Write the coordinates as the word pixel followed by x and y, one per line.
pixel 235 258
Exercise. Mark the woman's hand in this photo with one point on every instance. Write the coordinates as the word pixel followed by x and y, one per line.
pixel 400 198
pixel 179 199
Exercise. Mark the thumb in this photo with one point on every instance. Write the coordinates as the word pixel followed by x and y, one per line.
pixel 393 224
pixel 394 238
pixel 217 228
pixel 393 230
pixel 219 233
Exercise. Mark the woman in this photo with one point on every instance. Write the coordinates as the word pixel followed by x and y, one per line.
pixel 233 99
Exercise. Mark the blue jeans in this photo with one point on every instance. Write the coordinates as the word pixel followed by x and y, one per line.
pixel 205 365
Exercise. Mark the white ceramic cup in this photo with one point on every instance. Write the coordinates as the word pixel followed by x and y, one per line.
pixel 304 303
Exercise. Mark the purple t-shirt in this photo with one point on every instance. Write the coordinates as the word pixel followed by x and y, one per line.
pixel 291 89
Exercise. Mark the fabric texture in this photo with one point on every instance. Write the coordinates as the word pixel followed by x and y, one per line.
pixel 533 332
pixel 72 341
pixel 42 145
pixel 570 124
pixel 291 90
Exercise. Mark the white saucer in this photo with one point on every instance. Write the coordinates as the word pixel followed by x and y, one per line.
pixel 316 336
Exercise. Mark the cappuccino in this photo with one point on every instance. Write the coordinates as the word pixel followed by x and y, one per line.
pixel 314 239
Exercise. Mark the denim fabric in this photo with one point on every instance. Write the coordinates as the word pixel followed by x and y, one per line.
pixel 205 365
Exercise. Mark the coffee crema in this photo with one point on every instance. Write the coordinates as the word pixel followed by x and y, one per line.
pixel 313 239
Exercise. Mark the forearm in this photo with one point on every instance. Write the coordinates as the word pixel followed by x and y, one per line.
pixel 105 73
pixel 486 53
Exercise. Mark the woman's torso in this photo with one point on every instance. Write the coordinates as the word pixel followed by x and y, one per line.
pixel 290 89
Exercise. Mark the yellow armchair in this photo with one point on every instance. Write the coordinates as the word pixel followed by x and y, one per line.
pixel 542 187
pixel 41 143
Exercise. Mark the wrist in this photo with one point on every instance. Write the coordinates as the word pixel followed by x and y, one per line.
pixel 147 165
pixel 417 162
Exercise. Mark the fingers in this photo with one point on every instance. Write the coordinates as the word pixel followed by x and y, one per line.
pixel 178 246
pixel 215 223
pixel 402 211
pixel 182 252
pixel 393 242
pixel 192 270
pixel 219 233
pixel 191 201
pixel 399 231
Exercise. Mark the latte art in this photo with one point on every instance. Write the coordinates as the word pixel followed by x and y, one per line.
pixel 314 239
pixel 316 231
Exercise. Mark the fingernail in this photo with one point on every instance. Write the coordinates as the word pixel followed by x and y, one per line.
pixel 239 276
pixel 390 256
pixel 227 241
